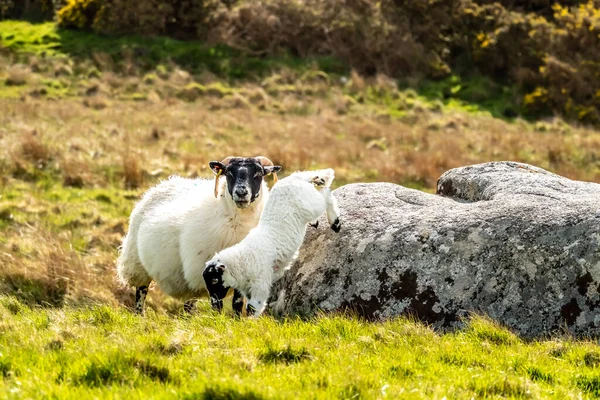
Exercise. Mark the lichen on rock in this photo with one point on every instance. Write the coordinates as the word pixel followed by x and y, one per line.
pixel 504 239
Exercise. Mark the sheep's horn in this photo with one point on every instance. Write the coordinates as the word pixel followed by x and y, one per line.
pixel 225 161
pixel 265 162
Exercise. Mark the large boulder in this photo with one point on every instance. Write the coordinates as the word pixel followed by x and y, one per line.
pixel 504 239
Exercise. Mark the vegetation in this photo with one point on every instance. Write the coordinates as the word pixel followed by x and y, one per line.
pixel 81 120
pixel 548 52
pixel 103 352
pixel 89 121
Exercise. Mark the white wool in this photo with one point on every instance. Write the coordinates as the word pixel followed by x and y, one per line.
pixel 176 227
pixel 261 258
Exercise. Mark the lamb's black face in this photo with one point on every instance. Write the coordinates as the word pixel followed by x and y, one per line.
pixel 244 178
pixel 213 278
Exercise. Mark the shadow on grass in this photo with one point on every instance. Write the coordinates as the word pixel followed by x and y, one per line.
pixel 589 384
pixel 6 369
pixel 218 393
pixel 285 355
pixel 122 370
pixel 31 291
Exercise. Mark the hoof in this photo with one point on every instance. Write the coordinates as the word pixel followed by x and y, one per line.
pixel 315 225
pixel 318 181
pixel 250 310
pixel 336 226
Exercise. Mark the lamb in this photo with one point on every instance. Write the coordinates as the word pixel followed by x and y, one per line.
pixel 252 265
pixel 180 223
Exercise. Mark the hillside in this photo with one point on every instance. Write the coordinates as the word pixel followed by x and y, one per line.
pixel 82 119
pixel 89 121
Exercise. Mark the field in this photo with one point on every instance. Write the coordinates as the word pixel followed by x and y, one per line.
pixel 106 352
pixel 88 122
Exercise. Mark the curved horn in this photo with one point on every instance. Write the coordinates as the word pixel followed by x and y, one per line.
pixel 265 162
pixel 225 161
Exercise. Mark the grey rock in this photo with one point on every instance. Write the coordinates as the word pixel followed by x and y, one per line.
pixel 504 239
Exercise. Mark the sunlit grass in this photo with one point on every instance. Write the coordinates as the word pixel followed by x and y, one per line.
pixel 106 352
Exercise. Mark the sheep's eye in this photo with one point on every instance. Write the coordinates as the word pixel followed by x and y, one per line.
pixel 215 281
pixel 258 175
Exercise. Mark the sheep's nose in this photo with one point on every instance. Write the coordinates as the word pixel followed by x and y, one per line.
pixel 241 192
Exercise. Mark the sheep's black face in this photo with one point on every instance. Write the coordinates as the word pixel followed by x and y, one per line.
pixel 213 278
pixel 244 178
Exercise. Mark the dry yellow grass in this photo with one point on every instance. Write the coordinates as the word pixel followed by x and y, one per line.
pixel 136 138
pixel 71 172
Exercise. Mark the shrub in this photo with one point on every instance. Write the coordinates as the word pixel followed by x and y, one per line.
pixel 182 19
pixel 33 9
pixel 395 38
pixel 550 53
pixel 554 61
pixel 542 7
pixel 79 13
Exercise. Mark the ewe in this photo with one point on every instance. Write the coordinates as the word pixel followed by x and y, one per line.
pixel 180 224
pixel 262 257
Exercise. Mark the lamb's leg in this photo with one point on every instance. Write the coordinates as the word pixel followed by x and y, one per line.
pixel 237 302
pixel 257 300
pixel 332 209
pixel 140 299
pixel 189 305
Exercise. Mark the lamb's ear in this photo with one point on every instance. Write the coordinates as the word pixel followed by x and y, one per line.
pixel 221 267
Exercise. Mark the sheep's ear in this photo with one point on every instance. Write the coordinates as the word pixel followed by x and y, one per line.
pixel 272 169
pixel 217 167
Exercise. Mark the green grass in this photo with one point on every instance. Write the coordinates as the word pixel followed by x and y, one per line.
pixel 104 352
pixel 149 52
pixel 474 94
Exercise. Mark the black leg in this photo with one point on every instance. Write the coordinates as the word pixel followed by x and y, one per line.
pixel 336 226
pixel 140 298
pixel 238 302
pixel 189 306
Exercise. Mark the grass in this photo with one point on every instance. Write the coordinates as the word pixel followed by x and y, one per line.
pixel 156 55
pixel 85 132
pixel 473 94
pixel 86 127
pixel 45 39
pixel 106 352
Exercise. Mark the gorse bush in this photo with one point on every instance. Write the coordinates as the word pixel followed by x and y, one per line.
pixel 31 9
pixel 80 13
pixel 555 63
pixel 398 40
pixel 542 7
pixel 181 19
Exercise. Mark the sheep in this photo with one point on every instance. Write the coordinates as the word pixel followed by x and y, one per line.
pixel 262 257
pixel 180 223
